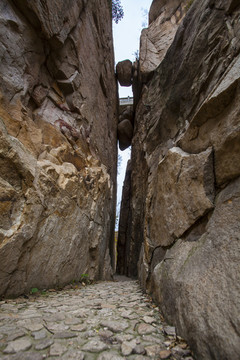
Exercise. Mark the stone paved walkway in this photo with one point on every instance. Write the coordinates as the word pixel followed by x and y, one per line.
pixel 104 321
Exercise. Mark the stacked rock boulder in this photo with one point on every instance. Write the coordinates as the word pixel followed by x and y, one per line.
pixel 124 73
pixel 125 128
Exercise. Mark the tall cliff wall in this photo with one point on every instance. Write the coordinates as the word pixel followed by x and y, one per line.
pixel 58 105
pixel 184 210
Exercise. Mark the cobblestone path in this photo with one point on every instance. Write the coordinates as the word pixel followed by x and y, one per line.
pixel 104 321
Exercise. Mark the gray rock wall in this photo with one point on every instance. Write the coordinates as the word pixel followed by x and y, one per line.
pixel 184 201
pixel 58 124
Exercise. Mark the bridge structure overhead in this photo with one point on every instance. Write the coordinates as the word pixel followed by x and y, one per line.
pixel 124 102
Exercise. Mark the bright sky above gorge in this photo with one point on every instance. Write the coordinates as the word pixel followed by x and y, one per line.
pixel 126 36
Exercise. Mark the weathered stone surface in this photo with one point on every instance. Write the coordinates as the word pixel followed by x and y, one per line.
pixel 109 356
pixel 65 335
pixel 73 355
pixel 149 319
pixel 57 143
pixel 182 194
pixel 153 350
pixel 212 263
pixel 186 126
pixel 145 329
pixel 41 14
pixel 164 19
pixel 115 326
pixel 126 348
pixel 172 9
pixel 24 355
pixel 165 354
pixel 44 344
pixel 39 335
pixel 217 123
pixel 57 349
pixel 124 72
pixel 18 345
pixel 139 349
pixel 94 346
pixel 125 134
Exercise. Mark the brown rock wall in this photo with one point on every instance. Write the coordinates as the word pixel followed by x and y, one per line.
pixel 184 181
pixel 58 128
pixel 164 19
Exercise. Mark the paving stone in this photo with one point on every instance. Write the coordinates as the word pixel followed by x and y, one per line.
pixel 170 330
pixel 65 335
pixel 30 314
pixel 109 356
pixel 94 346
pixel 54 317
pixel 155 338
pixel 24 356
pixel 57 349
pixel 79 313
pixel 55 327
pixel 106 334
pixel 39 335
pixel 108 306
pixel 15 335
pixel 126 349
pixel 115 326
pixel 165 354
pixel 138 357
pixel 145 329
pixel 22 344
pixel 44 344
pixel 123 337
pixel 129 315
pixel 72 321
pixel 152 350
pixel 149 319
pixel 139 349
pixel 31 324
pixel 178 350
pixel 80 327
pixel 73 355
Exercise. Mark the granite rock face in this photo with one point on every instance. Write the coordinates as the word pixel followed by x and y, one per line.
pixel 164 19
pixel 184 198
pixel 58 154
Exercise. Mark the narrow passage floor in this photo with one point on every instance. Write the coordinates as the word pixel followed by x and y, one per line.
pixel 104 321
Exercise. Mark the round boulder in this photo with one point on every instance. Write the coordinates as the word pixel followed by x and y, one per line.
pixel 128 113
pixel 125 134
pixel 124 72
